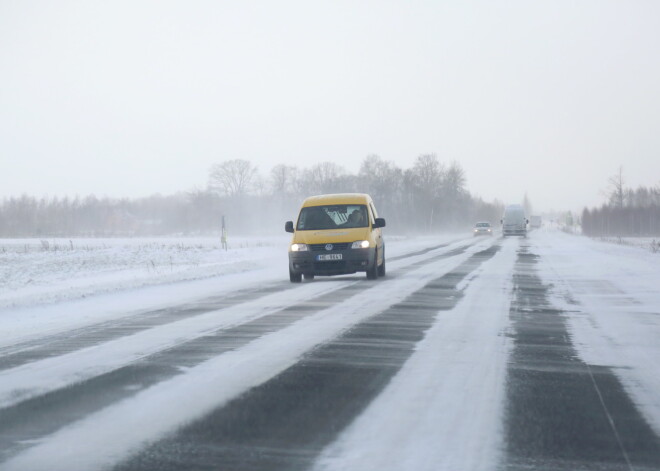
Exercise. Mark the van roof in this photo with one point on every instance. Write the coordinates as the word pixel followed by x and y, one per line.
pixel 338 198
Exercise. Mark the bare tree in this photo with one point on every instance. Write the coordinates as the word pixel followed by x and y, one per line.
pixel 232 177
pixel 427 178
pixel 454 202
pixel 325 177
pixel 616 189
pixel 283 179
pixel 429 173
pixel 454 180
pixel 380 178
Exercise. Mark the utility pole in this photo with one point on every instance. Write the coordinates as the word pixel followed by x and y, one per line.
pixel 223 236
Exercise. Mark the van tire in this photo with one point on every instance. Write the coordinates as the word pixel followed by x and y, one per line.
pixel 381 268
pixel 308 276
pixel 295 277
pixel 372 272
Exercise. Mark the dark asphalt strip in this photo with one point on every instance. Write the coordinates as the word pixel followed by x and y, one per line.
pixel 34 418
pixel 42 415
pixel 563 414
pixel 62 343
pixel 286 422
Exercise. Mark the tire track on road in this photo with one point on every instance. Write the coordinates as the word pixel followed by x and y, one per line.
pixel 562 413
pixel 61 343
pixel 285 423
pixel 39 416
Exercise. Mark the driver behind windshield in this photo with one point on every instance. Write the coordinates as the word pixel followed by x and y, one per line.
pixel 356 218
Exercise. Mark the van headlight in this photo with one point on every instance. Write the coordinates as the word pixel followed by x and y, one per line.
pixel 299 247
pixel 360 244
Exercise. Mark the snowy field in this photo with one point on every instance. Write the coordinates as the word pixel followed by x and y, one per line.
pixel 48 270
pixel 104 278
pixel 42 271
pixel 649 243
pixel 413 371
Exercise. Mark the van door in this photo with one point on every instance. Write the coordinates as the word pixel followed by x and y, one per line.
pixel 378 234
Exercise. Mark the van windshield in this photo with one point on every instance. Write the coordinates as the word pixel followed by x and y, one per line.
pixel 336 216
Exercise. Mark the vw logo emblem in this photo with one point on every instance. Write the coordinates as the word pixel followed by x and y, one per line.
pixel 328 246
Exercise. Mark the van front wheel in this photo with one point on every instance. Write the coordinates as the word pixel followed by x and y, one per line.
pixel 381 268
pixel 372 271
pixel 295 277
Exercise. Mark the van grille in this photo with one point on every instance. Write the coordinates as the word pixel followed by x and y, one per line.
pixel 337 246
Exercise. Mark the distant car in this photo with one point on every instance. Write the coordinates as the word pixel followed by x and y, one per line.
pixel 482 228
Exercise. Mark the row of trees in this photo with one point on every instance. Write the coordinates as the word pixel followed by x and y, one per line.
pixel 429 196
pixel 624 222
pixel 628 212
pixel 26 216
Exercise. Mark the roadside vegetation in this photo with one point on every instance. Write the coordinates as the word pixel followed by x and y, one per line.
pixel 628 212
pixel 428 197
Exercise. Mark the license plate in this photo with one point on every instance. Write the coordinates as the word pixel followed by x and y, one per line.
pixel 330 256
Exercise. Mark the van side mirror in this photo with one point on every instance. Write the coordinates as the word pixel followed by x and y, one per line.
pixel 501 221
pixel 288 226
pixel 379 222
pixel 526 221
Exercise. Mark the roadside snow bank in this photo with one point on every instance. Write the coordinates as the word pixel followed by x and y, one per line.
pixel 54 289
pixel 34 271
pixel 649 243
pixel 45 271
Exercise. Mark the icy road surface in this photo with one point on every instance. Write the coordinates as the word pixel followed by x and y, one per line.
pixel 471 354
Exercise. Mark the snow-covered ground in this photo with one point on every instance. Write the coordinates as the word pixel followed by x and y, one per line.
pixel 105 437
pixel 444 409
pixel 649 243
pixel 50 285
pixel 43 271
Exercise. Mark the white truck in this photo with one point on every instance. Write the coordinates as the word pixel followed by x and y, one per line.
pixel 514 221
pixel 535 222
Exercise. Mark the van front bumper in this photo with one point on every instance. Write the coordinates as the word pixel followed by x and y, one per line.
pixel 352 261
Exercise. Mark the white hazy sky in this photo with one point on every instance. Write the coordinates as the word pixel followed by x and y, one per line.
pixel 130 98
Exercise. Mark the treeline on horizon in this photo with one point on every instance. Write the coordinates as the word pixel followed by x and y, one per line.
pixel 428 197
pixel 628 213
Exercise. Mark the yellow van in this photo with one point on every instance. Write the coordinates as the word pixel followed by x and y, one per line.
pixel 336 235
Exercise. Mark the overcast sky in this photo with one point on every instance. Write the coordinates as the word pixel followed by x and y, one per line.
pixel 131 98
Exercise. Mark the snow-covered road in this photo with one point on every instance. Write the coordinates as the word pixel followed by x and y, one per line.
pixel 471 354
